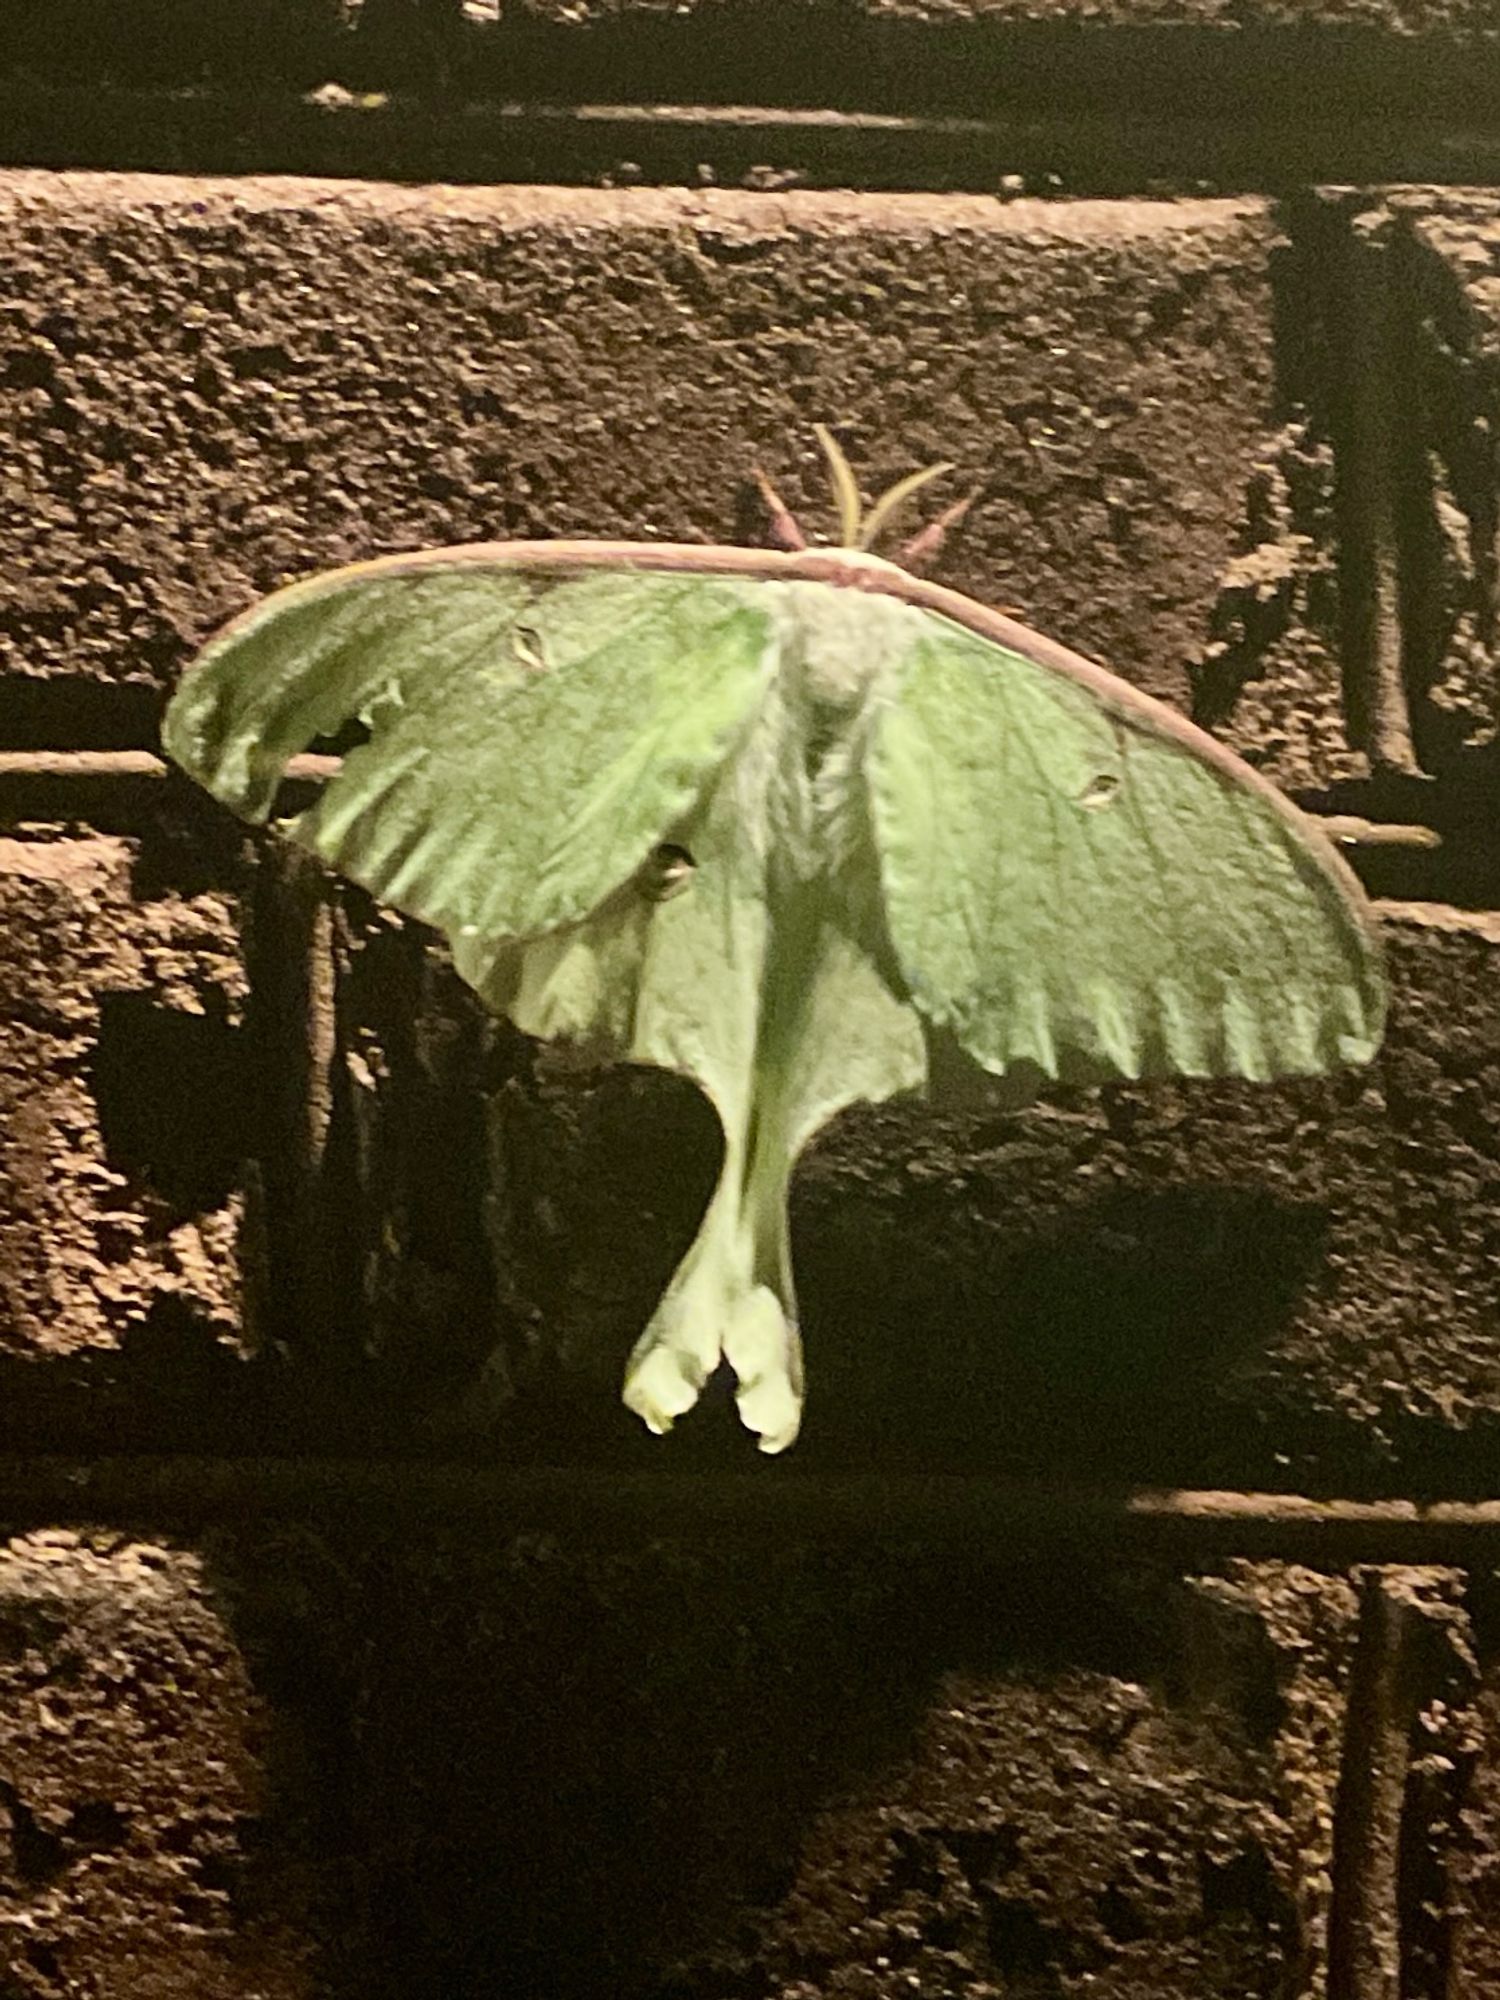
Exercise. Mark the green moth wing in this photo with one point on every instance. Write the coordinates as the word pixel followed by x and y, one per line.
pixel 539 720
pixel 895 822
pixel 532 737
pixel 1076 882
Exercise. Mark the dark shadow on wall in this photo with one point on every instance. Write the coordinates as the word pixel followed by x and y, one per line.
pixel 1090 1344
pixel 523 1767
pixel 979 1294
pixel 1086 1336
pixel 171 1097
pixel 1101 1290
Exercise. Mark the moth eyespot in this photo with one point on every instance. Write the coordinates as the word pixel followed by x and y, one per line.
pixel 1100 791
pixel 526 644
pixel 666 873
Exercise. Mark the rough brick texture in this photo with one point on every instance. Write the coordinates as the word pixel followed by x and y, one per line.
pixel 270 1183
pixel 308 1764
pixel 120 1206
pixel 133 1772
pixel 1200 1284
pixel 211 387
pixel 1408 14
pixel 1197 1284
pixel 1444 253
pixel 751 51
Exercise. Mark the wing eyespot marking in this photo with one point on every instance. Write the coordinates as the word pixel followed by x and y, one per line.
pixel 666 872
pixel 526 646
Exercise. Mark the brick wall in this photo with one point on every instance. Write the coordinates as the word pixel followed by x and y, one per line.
pixel 1125 1623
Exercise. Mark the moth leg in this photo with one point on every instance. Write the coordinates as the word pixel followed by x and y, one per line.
pixel 924 546
pixel 782 522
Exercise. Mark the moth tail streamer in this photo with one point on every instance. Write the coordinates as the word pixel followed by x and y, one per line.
pixel 717 1309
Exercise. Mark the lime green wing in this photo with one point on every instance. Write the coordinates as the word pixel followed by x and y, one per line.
pixel 533 736
pixel 1078 884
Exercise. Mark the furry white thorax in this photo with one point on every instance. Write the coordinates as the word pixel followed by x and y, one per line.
pixel 843 640
pixel 837 650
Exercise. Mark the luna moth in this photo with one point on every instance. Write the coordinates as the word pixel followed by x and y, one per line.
pixel 799 825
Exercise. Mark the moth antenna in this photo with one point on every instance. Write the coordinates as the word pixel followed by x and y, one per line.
pixel 925 544
pixel 895 497
pixel 785 532
pixel 845 487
